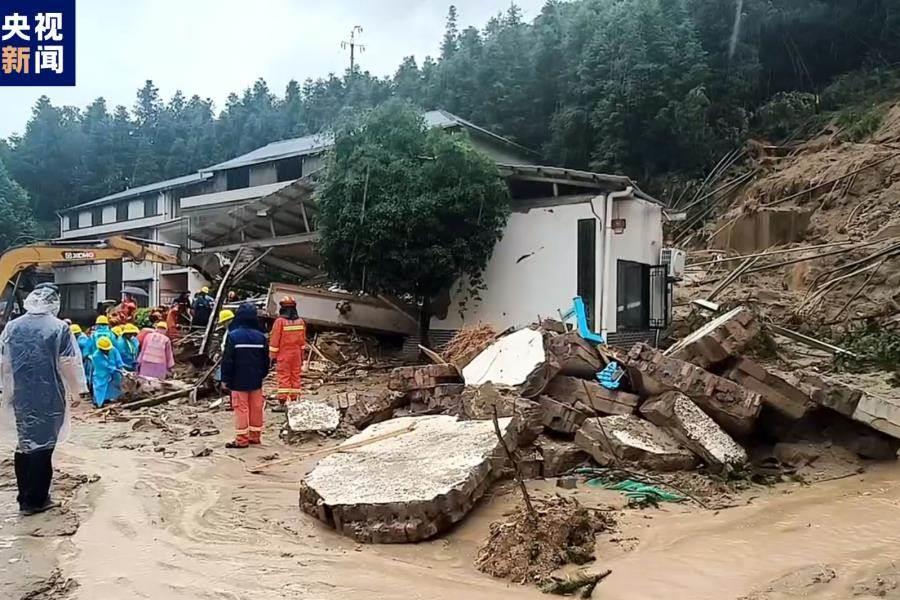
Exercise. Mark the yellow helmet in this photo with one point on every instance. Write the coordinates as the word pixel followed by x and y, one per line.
pixel 161 325
pixel 131 328
pixel 75 329
pixel 104 343
pixel 118 329
pixel 205 289
pixel 102 320
pixel 225 316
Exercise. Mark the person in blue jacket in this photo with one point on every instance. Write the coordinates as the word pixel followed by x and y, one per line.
pixel 107 376
pixel 128 347
pixel 245 363
pixel 101 329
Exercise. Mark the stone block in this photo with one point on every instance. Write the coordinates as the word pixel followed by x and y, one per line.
pixel 725 336
pixel 559 456
pixel 404 480
pixel 677 415
pixel 563 416
pixel 593 395
pixel 733 407
pixel 575 356
pixel 311 416
pixel 369 408
pixel 407 379
pixel 630 440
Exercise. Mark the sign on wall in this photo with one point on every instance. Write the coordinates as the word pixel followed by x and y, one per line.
pixel 37 43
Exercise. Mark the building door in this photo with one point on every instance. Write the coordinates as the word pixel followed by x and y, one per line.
pixel 632 296
pixel 113 279
pixel 587 268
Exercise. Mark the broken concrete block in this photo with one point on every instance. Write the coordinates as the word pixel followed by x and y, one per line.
pixel 592 395
pixel 404 480
pixel 516 360
pixel 881 414
pixel 308 416
pixel 559 456
pixel 369 408
pixel 575 356
pixel 776 391
pixel 407 379
pixel 725 336
pixel 563 416
pixel 631 440
pixel 733 407
pixel 567 483
pixel 677 415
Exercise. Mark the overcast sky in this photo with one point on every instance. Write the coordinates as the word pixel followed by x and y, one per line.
pixel 214 47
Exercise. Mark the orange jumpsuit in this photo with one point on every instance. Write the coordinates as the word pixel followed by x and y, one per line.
pixel 286 345
pixel 172 323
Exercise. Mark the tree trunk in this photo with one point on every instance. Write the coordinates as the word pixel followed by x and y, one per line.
pixel 425 322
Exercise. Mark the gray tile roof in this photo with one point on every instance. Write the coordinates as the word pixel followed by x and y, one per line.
pixel 143 189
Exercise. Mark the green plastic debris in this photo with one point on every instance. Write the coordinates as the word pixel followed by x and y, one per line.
pixel 637 493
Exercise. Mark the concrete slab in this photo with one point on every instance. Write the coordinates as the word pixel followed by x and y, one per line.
pixel 509 361
pixel 575 355
pixel 593 395
pixel 309 416
pixel 777 390
pixel 405 480
pixel 631 440
pixel 733 407
pixel 677 415
pixel 725 336
pixel 369 408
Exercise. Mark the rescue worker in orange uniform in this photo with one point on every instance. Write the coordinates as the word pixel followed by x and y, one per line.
pixel 286 347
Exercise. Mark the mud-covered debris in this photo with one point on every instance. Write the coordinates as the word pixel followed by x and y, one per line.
pixel 628 439
pixel 523 550
pixel 725 336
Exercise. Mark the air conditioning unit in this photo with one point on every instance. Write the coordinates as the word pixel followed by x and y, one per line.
pixel 674 259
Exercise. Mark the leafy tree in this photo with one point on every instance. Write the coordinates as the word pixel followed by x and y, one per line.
pixel 17 223
pixel 407 210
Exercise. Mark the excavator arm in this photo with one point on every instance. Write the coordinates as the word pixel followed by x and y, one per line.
pixel 16 260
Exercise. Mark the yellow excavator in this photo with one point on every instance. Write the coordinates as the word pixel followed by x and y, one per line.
pixel 15 261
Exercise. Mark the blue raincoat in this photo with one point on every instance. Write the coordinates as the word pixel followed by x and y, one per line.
pixel 101 331
pixel 87 347
pixel 128 350
pixel 106 376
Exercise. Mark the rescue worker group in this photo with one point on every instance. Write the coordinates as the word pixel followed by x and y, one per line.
pixel 115 346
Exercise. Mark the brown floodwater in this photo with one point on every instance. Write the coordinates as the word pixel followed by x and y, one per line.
pixel 185 528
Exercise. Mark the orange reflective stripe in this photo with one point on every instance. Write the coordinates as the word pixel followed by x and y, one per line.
pixel 255 429
pixel 295 327
pixel 242 431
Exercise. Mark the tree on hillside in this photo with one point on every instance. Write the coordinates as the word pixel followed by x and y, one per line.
pixel 17 225
pixel 408 210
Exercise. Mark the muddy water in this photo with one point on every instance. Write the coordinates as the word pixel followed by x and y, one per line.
pixel 206 528
pixel 824 541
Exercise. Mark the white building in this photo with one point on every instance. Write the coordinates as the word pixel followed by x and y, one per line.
pixel 570 233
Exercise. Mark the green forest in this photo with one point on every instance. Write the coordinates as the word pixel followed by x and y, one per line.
pixel 651 88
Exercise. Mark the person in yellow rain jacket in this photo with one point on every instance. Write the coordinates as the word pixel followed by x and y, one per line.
pixel 286 350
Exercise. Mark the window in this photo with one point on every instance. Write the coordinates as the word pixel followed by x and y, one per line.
pixel 122 211
pixel 289 169
pixel 151 206
pixel 70 222
pixel 78 296
pixel 237 178
pixel 632 296
pixel 97 216
pixel 587 267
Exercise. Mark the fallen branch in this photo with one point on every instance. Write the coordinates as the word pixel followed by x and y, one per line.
pixel 156 400
pixel 515 465
pixel 859 291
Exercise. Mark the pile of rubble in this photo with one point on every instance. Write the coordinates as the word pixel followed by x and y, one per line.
pixel 433 441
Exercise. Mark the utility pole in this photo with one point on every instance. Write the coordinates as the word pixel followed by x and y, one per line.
pixel 354 45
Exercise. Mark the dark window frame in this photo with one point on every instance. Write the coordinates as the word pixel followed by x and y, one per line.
pixel 288 169
pixel 635 318
pixel 155 206
pixel 237 178
pixel 97 216
pixel 73 221
pixel 586 267
pixel 122 207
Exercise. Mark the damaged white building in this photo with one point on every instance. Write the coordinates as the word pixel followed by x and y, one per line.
pixel 571 233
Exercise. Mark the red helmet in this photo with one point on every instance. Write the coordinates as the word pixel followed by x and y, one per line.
pixel 288 301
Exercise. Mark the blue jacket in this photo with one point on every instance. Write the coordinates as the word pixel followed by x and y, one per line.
pixel 245 362
pixel 86 345
pixel 102 331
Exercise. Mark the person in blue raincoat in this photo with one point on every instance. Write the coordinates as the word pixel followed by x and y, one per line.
pixel 86 345
pixel 41 374
pixel 107 372
pixel 128 347
pixel 101 329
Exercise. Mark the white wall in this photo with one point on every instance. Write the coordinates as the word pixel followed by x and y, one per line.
pixel 109 214
pixel 519 289
pixel 84 219
pixel 135 209
pixel 533 270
